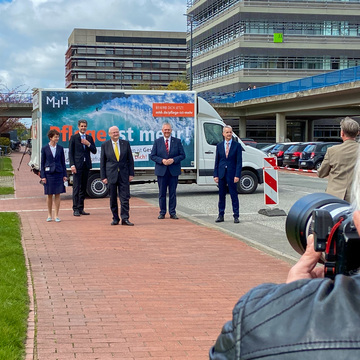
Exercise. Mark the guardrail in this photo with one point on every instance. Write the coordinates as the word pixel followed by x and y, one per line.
pixel 312 82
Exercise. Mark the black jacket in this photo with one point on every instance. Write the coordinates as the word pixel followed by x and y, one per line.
pixel 77 151
pixel 110 168
pixel 304 320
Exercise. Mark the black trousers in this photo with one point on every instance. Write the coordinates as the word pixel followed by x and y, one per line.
pixel 79 187
pixel 121 188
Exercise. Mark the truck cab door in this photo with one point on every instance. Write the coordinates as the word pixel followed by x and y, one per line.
pixel 209 135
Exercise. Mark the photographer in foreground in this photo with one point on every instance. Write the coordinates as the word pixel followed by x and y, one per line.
pixel 309 317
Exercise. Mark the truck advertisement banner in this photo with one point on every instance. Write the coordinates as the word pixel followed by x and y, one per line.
pixel 139 117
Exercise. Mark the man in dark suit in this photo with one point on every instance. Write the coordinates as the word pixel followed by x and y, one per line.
pixel 117 170
pixel 227 172
pixel 167 153
pixel 80 146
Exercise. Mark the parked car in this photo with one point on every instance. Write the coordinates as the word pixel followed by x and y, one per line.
pixel 292 154
pixel 313 155
pixel 267 149
pixel 279 150
pixel 248 141
pixel 261 145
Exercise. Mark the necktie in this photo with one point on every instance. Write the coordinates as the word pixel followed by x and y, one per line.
pixel 227 149
pixel 167 145
pixel 83 137
pixel 116 149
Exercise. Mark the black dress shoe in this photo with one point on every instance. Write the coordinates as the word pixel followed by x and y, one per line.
pixel 76 213
pixel 236 220
pixel 174 217
pixel 115 222
pixel 126 222
pixel 220 219
pixel 84 213
pixel 161 216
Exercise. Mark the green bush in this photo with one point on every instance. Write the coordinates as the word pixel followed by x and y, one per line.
pixel 4 141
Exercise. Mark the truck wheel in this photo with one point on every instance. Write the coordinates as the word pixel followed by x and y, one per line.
pixel 248 183
pixel 95 187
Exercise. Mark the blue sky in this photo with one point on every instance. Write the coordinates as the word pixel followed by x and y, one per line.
pixel 34 33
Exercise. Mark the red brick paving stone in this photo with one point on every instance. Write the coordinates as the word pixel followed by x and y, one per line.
pixel 158 290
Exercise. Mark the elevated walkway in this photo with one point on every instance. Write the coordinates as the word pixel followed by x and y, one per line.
pixel 335 94
pixel 16 104
pixel 333 78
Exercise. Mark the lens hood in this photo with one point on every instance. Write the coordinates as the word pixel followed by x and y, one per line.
pixel 298 221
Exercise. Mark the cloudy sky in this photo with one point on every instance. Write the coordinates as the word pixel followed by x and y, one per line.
pixel 34 33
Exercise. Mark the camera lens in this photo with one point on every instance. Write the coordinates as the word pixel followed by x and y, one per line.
pixel 298 221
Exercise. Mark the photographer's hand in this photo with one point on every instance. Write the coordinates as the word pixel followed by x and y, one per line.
pixel 356 218
pixel 306 268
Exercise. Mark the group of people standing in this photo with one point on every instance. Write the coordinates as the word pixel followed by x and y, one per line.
pixel 117 171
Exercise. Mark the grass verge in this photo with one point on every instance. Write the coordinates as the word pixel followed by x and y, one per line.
pixel 6 190
pixel 14 300
pixel 6 168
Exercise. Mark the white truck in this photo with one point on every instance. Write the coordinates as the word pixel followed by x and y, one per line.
pixel 139 116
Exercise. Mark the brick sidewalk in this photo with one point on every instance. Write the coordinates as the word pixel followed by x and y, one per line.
pixel 159 290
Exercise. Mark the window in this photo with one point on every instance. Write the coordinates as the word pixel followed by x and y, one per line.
pixel 213 133
pixel 82 63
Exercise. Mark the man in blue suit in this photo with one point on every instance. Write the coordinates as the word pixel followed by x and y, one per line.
pixel 167 153
pixel 227 172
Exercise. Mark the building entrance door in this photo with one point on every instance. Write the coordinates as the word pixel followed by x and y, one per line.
pixel 296 130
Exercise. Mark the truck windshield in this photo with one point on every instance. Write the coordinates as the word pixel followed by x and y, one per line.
pixel 213 133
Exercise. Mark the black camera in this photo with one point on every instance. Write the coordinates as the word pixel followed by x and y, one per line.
pixel 330 220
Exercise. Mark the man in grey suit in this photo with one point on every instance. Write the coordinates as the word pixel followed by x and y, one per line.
pixel 339 161
pixel 116 171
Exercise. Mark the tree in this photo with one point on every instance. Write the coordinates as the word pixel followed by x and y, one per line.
pixel 177 85
pixel 142 86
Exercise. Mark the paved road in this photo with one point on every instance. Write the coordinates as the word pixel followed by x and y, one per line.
pixel 199 204
pixel 159 290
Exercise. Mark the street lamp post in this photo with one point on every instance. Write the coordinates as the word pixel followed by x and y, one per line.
pixel 121 75
pixel 190 19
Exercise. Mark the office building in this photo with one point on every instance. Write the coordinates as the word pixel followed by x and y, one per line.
pixel 119 59
pixel 238 44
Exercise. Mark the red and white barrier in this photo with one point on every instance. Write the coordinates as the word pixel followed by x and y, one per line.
pixel 295 169
pixel 271 194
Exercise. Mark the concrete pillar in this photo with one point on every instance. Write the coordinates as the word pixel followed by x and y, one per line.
pixel 310 130
pixel 242 127
pixel 280 127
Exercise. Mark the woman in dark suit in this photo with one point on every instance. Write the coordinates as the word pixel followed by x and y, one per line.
pixel 53 172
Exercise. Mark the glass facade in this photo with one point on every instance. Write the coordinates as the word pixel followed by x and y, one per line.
pixel 242 42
